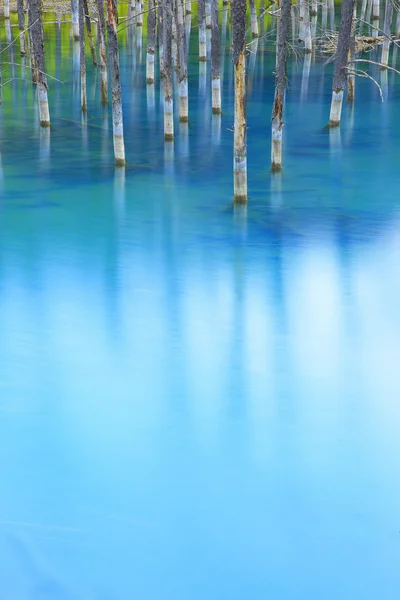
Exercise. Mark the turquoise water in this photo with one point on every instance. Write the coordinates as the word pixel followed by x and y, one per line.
pixel 196 401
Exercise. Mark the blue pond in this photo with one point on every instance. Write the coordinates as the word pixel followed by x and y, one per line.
pixel 196 401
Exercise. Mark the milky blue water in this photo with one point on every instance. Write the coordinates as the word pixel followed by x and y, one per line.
pixel 195 401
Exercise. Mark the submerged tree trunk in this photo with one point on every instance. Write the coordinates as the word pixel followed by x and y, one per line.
pixel 351 77
pixel 75 19
pixel 387 28
pixel 21 26
pixel 82 56
pixel 202 31
pixel 118 130
pixel 88 23
pixel 239 61
pixel 36 34
pixel 215 60
pixel 151 41
pixel 101 35
pixel 282 52
pixel 168 96
pixel 182 61
pixel 253 19
pixel 340 72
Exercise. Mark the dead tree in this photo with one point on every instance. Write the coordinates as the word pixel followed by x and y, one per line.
pixel 151 41
pixel 341 62
pixel 282 53
pixel 239 142
pixel 215 60
pixel 168 95
pixel 37 44
pixel 118 129
pixel 21 26
pixel 88 23
pixel 101 36
pixel 82 56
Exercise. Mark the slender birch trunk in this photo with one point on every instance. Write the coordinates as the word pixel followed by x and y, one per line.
pixel 188 7
pixel 282 53
pixel 88 23
pixel 139 13
pixel 75 19
pixel 387 29
pixel 151 41
pixel 118 130
pixel 160 36
pixel 240 129
pixel 6 9
pixel 21 26
pixel 215 60
pixel 301 21
pixel 182 61
pixel 307 27
pixel 82 56
pixel 208 13
pixel 101 36
pixel 202 31
pixel 398 25
pixel 314 8
pixel 341 61
pixel 253 19
pixel 375 10
pixel 168 94
pixel 36 35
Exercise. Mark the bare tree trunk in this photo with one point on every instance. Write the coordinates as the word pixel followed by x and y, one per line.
pixel 307 27
pixel 151 41
pixel 351 78
pixel 398 25
pixel 101 36
pixel 253 19
pixel 82 56
pixel 215 60
pixel 139 13
pixel 340 73
pixel 160 35
pixel 75 19
pixel 240 127
pixel 188 5
pixel 182 54
pixel 208 13
pixel 21 26
pixel 36 35
pixel 282 53
pixel 314 8
pixel 118 130
pixel 387 29
pixel 168 95
pixel 375 10
pixel 6 9
pixel 89 31
pixel 202 31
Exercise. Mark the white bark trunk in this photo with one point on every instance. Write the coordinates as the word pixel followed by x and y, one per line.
pixel 202 42
pixel 44 114
pixel 150 68
pixel 239 143
pixel 336 108
pixel 168 119
pixel 7 9
pixel 375 10
pixel 253 20
pixel 139 14
pixel 276 145
pixel 216 95
pixel 208 15
pixel 75 19
pixel 183 101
